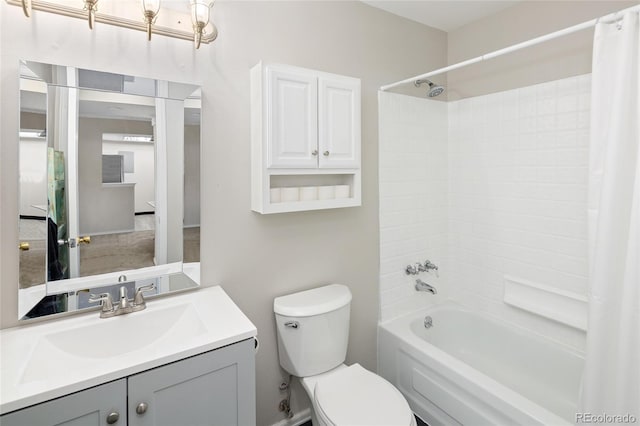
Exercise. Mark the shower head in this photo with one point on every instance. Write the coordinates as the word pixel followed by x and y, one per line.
pixel 434 89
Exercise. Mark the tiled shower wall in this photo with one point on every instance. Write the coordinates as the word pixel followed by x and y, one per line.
pixel 413 199
pixel 502 192
pixel 518 170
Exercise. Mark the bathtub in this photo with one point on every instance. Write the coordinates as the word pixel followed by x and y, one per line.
pixel 472 369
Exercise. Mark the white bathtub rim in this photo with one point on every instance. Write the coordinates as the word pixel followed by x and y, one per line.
pixel 400 328
pixel 408 317
pixel 488 388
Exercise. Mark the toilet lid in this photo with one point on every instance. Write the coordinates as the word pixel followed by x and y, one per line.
pixel 356 396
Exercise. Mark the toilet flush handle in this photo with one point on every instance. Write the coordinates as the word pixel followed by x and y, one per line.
pixel 292 324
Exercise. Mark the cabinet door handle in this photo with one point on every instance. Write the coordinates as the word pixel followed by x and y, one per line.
pixel 142 408
pixel 314 152
pixel 326 153
pixel 113 417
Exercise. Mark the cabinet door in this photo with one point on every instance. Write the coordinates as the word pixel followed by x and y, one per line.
pixel 215 388
pixel 339 123
pixel 292 119
pixel 99 406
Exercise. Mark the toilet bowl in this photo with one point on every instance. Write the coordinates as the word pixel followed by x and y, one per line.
pixel 353 395
pixel 313 332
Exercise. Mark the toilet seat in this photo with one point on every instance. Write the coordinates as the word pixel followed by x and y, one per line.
pixel 356 396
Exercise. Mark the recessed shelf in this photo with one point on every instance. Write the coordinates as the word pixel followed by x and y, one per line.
pixel 297 206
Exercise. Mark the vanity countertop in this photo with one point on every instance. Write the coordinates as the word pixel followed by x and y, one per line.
pixel 42 361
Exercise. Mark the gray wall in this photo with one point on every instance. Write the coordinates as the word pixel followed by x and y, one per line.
pixel 143 175
pixel 255 258
pixel 191 175
pixel 33 159
pixel 563 57
pixel 103 209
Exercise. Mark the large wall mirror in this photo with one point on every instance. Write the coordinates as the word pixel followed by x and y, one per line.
pixel 109 169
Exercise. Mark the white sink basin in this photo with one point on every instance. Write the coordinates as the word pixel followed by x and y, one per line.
pixel 123 334
pixel 50 359
pixel 113 337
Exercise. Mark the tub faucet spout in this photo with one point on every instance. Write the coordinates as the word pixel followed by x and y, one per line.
pixel 422 286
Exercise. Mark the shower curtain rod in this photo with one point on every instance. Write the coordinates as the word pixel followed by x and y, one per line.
pixel 607 18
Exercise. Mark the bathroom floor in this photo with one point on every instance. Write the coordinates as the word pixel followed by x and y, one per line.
pixel 105 253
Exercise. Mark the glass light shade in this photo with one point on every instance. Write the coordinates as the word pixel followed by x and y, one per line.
pixel 151 6
pixel 200 12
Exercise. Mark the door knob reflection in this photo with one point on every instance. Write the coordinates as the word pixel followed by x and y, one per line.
pixel 73 242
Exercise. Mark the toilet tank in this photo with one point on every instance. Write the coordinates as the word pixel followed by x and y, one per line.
pixel 313 329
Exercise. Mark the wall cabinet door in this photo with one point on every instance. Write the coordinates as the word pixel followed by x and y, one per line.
pixel 339 123
pixel 292 119
pixel 215 388
pixel 102 405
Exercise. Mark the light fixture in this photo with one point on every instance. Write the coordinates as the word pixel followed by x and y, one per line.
pixel 124 137
pixel 26 8
pixel 137 138
pixel 92 7
pixel 150 10
pixel 183 19
pixel 200 13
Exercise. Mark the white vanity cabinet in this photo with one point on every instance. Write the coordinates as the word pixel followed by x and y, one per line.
pixel 306 132
pixel 215 388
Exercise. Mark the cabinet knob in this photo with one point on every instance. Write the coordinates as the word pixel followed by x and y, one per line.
pixel 113 417
pixel 326 153
pixel 314 152
pixel 142 408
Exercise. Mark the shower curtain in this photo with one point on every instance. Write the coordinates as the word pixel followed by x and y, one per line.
pixel 611 382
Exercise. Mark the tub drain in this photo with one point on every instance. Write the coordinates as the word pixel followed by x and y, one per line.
pixel 428 322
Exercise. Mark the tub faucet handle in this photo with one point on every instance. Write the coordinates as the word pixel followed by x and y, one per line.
pixel 412 269
pixel 428 266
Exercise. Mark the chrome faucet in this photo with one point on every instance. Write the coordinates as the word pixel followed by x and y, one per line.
pixel 413 269
pixel 124 305
pixel 138 300
pixel 428 266
pixel 422 286
pixel 106 302
pixel 419 267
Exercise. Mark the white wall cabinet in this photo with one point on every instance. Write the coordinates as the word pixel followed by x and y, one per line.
pixel 215 388
pixel 306 133
pixel 293 123
pixel 339 122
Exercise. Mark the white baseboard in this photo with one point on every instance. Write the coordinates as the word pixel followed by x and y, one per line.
pixel 297 419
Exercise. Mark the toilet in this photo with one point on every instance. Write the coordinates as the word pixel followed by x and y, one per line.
pixel 313 334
